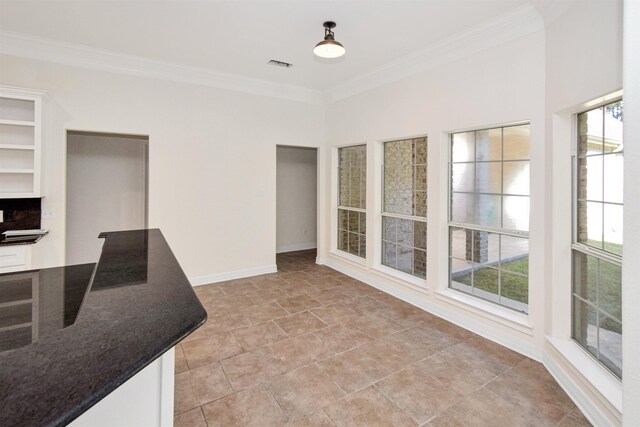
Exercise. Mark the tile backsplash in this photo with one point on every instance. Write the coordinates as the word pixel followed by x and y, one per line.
pixel 20 214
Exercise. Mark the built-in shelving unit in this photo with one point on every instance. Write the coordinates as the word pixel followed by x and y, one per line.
pixel 20 142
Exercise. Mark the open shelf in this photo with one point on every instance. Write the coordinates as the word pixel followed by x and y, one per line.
pixel 16 122
pixel 20 142
pixel 16 147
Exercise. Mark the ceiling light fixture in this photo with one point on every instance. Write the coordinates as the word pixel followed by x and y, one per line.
pixel 329 47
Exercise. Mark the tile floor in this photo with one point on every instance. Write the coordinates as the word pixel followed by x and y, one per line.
pixel 309 346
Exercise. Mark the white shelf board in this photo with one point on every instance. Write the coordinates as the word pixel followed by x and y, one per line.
pixel 20 195
pixel 17 171
pixel 16 147
pixel 16 122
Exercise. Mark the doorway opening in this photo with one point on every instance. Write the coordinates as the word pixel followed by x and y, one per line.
pixel 296 203
pixel 107 189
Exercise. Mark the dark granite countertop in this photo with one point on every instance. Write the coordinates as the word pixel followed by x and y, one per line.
pixel 78 346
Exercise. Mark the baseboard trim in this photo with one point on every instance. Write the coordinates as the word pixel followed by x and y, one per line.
pixel 296 247
pixel 396 290
pixel 321 261
pixel 231 275
pixel 598 410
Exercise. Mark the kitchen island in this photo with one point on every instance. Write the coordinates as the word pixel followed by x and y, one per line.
pixel 75 335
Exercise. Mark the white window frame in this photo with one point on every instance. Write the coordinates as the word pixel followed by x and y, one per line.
pixel 336 206
pixel 520 320
pixel 380 235
pixel 580 247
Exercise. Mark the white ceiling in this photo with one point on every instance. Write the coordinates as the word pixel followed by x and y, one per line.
pixel 239 37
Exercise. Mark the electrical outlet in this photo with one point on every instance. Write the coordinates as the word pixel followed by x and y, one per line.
pixel 48 213
pixel 1 216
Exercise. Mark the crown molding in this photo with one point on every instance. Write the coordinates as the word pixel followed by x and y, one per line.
pixel 510 26
pixel 27 46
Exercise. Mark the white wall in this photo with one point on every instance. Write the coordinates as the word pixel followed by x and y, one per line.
pixel 212 158
pixel 500 85
pixel 583 64
pixel 631 267
pixel 106 180
pixel 296 210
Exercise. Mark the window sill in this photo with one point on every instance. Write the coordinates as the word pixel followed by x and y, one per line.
pixel 606 384
pixel 346 256
pixel 401 278
pixel 504 316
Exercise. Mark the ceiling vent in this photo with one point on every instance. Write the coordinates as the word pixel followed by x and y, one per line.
pixel 280 63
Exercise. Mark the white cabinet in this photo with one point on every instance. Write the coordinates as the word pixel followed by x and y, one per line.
pixel 15 258
pixel 20 142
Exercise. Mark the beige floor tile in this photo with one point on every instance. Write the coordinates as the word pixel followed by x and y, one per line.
pixel 267 294
pixel 342 337
pixel 207 293
pixel 570 421
pixel 376 326
pixel 335 313
pixel 228 304
pixel 317 419
pixel 301 351
pixel 249 369
pixel 180 364
pixel 328 296
pixel 425 340
pixel 300 323
pixel 353 370
pixel 416 366
pixel 235 287
pixel 299 303
pixel 251 407
pixel 195 335
pixel 391 352
pixel 267 280
pixel 404 315
pixel 367 408
pixel 417 394
pixel 297 288
pixel 485 408
pixel 365 305
pixel 259 313
pixel 223 322
pixel 455 372
pixel 198 386
pixel 304 390
pixel 488 355
pixel 445 421
pixel 210 349
pixel 324 282
pixel 536 396
pixel 450 329
pixel 192 418
pixel 255 336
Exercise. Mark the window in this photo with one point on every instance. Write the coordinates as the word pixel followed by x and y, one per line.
pixel 597 247
pixel 489 215
pixel 352 200
pixel 404 210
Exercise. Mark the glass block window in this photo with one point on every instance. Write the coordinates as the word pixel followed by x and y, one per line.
pixel 404 211
pixel 352 186
pixel 597 248
pixel 489 214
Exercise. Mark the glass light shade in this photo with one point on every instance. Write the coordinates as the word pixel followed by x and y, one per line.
pixel 329 49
